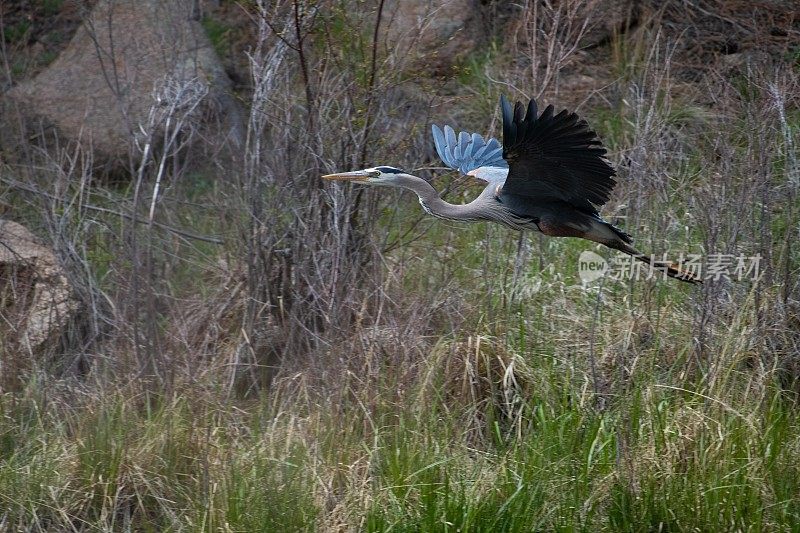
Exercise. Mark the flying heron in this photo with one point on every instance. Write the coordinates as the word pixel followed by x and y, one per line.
pixel 550 175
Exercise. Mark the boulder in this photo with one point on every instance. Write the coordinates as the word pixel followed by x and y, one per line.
pixel 36 300
pixel 127 60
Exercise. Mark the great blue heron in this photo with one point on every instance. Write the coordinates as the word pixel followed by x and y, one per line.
pixel 550 176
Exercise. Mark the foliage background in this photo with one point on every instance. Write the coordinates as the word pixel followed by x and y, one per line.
pixel 328 358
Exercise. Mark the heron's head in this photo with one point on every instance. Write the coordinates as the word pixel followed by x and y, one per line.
pixel 371 176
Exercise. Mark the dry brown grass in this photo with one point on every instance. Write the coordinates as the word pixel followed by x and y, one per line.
pixel 261 350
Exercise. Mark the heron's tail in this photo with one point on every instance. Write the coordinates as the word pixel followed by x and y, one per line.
pixel 615 238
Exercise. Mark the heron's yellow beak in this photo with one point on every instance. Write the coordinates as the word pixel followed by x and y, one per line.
pixel 357 176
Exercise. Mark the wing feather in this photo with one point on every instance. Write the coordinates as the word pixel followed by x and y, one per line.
pixel 441 144
pixel 554 155
pixel 467 151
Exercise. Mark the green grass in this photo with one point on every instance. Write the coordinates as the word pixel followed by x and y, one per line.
pixel 218 33
pixel 15 33
pixel 47 57
pixel 52 7
pixel 18 68
pixel 658 458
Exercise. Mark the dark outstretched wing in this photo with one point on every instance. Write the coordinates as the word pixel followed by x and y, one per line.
pixel 554 156
pixel 467 151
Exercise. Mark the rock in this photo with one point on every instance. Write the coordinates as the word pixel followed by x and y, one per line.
pixel 439 32
pixel 102 87
pixel 36 300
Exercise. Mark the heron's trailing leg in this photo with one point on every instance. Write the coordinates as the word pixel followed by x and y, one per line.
pixel 606 234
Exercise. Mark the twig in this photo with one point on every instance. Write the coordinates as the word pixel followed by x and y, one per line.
pixel 183 233
pixel 300 38
pixel 592 358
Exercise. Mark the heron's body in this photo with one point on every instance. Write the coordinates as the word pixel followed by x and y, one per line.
pixel 549 176
pixel 551 217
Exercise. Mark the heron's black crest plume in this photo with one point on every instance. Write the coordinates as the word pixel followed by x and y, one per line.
pixel 390 170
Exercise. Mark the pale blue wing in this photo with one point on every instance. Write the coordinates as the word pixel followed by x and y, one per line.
pixel 466 151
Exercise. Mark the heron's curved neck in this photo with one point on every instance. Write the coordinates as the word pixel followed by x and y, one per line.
pixel 431 201
pixel 424 190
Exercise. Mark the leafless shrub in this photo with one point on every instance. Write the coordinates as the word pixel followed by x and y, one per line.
pixel 551 35
pixel 310 253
